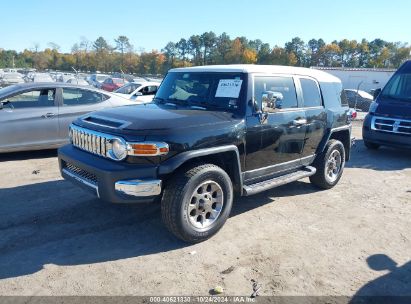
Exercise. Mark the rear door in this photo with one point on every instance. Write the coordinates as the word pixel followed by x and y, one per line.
pixel 29 120
pixel 315 113
pixel 76 102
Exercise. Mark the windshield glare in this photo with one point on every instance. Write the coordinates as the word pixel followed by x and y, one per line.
pixel 399 87
pixel 223 91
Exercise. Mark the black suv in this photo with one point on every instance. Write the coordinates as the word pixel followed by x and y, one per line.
pixel 389 119
pixel 211 133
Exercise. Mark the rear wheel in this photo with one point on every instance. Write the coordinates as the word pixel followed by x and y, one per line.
pixel 330 165
pixel 196 202
pixel 370 145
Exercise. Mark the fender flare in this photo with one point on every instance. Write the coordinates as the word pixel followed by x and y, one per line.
pixel 170 165
pixel 329 135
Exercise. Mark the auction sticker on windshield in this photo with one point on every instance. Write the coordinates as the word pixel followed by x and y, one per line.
pixel 229 88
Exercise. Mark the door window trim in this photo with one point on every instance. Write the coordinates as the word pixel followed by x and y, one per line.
pixel 300 92
pixel 62 104
pixel 55 102
pixel 294 77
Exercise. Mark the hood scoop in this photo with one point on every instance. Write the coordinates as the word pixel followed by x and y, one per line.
pixel 106 122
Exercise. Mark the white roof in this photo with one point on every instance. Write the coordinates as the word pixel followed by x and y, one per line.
pixel 266 69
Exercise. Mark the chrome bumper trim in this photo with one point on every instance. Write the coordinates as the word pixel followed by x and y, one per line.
pixel 139 188
pixel 81 180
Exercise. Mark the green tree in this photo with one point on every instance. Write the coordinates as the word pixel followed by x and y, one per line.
pixel 123 45
pixel 208 41
pixel 297 46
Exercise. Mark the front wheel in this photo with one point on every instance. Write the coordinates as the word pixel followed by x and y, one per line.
pixel 330 165
pixel 196 202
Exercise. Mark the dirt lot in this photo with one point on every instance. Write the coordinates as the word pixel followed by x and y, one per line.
pixel 56 239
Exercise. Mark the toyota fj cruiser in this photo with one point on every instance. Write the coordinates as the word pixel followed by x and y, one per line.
pixel 211 133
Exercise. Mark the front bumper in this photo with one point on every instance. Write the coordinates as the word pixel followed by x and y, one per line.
pixel 115 182
pixel 384 138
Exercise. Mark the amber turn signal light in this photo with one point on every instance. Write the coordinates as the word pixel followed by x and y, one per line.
pixel 147 149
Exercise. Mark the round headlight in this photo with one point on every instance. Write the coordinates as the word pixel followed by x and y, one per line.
pixel 119 149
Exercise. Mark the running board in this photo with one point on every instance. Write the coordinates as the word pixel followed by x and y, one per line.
pixel 278 181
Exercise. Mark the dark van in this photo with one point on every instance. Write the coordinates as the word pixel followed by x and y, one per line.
pixel 388 122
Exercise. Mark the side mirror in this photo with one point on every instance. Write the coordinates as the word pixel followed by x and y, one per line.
pixel 271 100
pixel 376 93
pixel 138 94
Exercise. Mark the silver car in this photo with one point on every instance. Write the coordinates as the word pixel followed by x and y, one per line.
pixel 35 116
pixel 10 79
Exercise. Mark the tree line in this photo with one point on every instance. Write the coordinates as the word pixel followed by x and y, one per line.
pixel 205 49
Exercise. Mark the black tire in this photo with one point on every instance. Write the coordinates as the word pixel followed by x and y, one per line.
pixel 370 145
pixel 320 178
pixel 177 199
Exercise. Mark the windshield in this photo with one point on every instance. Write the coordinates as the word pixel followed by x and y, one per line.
pixel 118 80
pixel 222 91
pixel 8 90
pixel 101 78
pixel 399 87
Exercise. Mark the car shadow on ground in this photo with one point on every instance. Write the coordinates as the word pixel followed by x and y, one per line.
pixel 382 159
pixel 28 155
pixel 392 287
pixel 56 223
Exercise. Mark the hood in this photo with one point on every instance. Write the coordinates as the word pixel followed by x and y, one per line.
pixel 393 108
pixel 152 117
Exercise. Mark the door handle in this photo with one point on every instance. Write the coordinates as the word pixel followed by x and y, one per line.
pixel 48 115
pixel 299 122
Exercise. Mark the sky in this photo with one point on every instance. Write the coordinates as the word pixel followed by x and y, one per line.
pixel 150 24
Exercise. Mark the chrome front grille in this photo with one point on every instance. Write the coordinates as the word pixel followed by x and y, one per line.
pixel 80 173
pixel 90 141
pixel 391 125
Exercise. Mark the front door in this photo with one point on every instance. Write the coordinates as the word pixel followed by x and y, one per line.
pixel 29 120
pixel 279 131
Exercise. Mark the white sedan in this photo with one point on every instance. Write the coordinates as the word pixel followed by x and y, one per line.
pixel 140 92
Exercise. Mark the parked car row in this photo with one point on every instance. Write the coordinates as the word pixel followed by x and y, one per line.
pixel 38 114
pixel 101 81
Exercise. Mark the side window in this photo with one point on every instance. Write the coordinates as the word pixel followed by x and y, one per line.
pixel 311 93
pixel 33 99
pixel 74 97
pixel 280 90
pixel 148 90
pixel 152 90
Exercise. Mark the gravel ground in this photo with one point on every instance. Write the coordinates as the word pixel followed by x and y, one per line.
pixel 56 239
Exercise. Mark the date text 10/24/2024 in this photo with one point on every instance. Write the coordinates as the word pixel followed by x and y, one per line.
pixel 202 299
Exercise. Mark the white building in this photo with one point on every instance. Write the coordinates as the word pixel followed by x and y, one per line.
pixel 360 78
